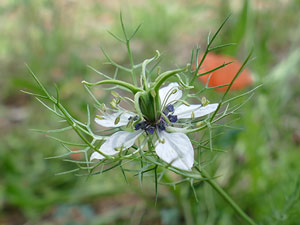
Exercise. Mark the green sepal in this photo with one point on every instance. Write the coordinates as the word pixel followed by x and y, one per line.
pixel 144 64
pixel 166 75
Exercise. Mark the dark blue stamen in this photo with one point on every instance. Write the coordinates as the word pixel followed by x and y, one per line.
pixel 141 125
pixel 172 118
pixel 150 129
pixel 133 118
pixel 168 109
pixel 144 125
pixel 137 126
pixel 161 125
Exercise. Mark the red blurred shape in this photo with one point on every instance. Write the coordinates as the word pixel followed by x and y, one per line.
pixel 76 155
pixel 225 74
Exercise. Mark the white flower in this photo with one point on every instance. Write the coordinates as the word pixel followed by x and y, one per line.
pixel 173 148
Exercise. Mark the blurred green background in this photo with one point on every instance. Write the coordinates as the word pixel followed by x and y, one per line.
pixel 58 39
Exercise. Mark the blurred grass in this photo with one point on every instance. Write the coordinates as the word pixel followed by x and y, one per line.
pixel 59 38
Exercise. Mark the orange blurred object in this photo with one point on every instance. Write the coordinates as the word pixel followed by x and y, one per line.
pixel 76 155
pixel 225 74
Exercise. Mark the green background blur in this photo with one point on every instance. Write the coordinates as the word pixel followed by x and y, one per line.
pixel 58 39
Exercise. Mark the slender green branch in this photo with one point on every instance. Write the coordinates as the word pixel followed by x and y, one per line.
pixel 221 46
pixel 72 122
pixel 131 62
pixel 127 43
pixel 209 42
pixel 75 128
pixel 231 83
pixel 227 198
pixel 114 63
pixel 210 71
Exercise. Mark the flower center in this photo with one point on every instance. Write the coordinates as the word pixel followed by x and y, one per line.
pixel 160 124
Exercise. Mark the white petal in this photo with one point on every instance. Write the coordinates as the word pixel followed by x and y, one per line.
pixel 165 91
pixel 96 155
pixel 177 149
pixel 185 112
pixel 119 139
pixel 109 119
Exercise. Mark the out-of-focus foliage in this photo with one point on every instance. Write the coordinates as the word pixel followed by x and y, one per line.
pixel 59 38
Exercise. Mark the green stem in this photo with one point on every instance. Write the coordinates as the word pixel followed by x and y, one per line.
pixel 131 62
pixel 227 198
pixel 208 49
pixel 181 197
pixel 75 128
pixel 127 43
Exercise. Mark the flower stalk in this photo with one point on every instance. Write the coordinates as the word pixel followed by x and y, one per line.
pixel 226 197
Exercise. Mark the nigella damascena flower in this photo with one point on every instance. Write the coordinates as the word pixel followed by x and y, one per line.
pixel 174 148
